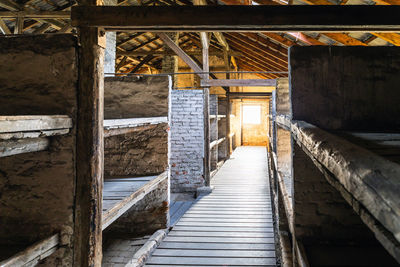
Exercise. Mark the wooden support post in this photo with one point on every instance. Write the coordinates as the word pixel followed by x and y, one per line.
pixel 228 125
pixel 90 148
pixel 19 25
pixel 206 93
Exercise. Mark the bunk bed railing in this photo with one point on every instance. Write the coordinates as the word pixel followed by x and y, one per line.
pixel 367 181
pixel 34 253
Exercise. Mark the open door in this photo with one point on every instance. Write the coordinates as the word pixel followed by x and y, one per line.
pixel 255 123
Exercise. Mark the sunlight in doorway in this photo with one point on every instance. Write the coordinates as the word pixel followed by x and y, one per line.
pixel 251 114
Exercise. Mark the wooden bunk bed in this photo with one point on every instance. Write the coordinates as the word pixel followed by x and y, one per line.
pixel 121 194
pixel 23 134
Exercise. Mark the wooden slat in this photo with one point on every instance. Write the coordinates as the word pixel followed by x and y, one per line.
pixel 224 229
pixel 208 261
pixel 14 147
pixel 214 253
pixel 216 246
pixel 240 82
pixel 221 234
pixel 33 254
pixel 120 207
pixel 10 124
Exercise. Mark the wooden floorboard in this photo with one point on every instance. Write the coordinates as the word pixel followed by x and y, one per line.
pixel 232 226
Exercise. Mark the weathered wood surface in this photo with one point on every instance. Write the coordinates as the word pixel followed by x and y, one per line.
pixel 10 124
pixel 14 147
pixel 216 142
pixel 232 225
pixel 120 195
pixel 90 147
pixel 246 18
pixel 370 179
pixel 133 122
pixel 33 254
pixel 179 51
pixel 42 133
pixel 177 210
pixel 242 82
pixel 213 117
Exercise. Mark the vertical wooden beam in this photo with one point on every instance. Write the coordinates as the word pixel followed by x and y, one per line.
pixel 228 111
pixel 228 125
pixel 19 25
pixel 206 93
pixel 90 146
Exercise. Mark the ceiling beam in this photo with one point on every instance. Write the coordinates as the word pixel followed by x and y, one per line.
pixel 174 47
pixel 247 18
pixel 240 82
pixel 4 28
pixel 36 14
pixel 168 53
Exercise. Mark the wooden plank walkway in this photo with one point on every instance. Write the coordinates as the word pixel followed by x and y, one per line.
pixel 232 226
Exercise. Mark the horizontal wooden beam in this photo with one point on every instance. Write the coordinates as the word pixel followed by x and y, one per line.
pixel 33 254
pixel 168 53
pixel 240 82
pixel 36 14
pixel 249 95
pixel 10 124
pixel 246 18
pixel 14 147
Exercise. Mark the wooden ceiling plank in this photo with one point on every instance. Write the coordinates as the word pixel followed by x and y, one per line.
pixel 278 61
pixel 133 37
pixel 305 38
pixel 250 67
pixel 256 58
pixel 344 39
pixel 268 43
pixel 259 60
pixel 278 38
pixel 144 61
pixel 393 38
pixel 42 28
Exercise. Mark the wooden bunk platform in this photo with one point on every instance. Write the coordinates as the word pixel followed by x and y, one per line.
pixel 23 134
pixel 123 126
pixel 120 194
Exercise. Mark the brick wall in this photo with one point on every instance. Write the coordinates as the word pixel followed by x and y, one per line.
pixel 187 140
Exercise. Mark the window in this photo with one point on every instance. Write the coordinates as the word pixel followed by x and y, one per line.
pixel 251 114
